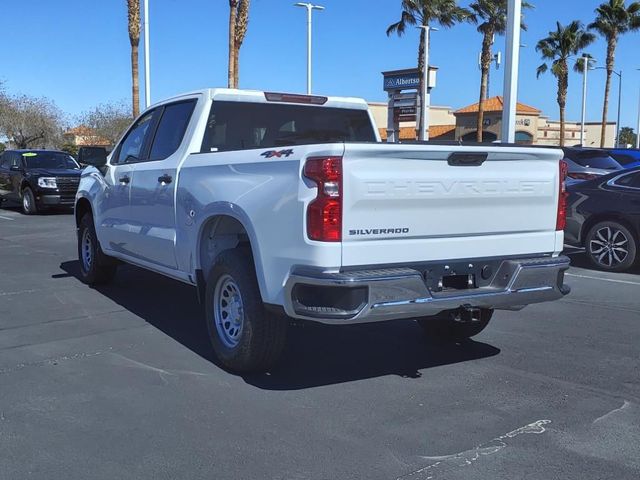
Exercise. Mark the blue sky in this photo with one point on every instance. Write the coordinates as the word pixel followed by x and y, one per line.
pixel 77 52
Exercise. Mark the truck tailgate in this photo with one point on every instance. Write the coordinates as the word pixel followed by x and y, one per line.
pixel 409 203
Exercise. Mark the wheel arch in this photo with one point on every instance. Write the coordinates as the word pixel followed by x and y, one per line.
pixel 221 230
pixel 83 206
pixel 607 217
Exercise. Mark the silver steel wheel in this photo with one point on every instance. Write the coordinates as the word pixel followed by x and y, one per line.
pixel 228 311
pixel 86 248
pixel 609 247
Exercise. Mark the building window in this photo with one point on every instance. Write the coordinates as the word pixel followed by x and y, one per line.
pixel 524 138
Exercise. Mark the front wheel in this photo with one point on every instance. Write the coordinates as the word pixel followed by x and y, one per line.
pixel 455 325
pixel 95 267
pixel 611 246
pixel 244 335
pixel 29 205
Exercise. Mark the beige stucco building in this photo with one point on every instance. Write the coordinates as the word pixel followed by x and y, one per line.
pixel 531 126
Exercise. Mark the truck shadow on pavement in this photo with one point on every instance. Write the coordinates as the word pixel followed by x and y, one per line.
pixel 315 354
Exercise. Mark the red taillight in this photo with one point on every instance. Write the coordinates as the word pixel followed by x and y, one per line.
pixel 582 176
pixel 561 219
pixel 324 214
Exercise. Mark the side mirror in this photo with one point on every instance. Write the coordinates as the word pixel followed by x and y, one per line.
pixel 15 168
pixel 95 156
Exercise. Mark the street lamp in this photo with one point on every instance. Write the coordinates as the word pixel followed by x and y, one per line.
pixel 585 68
pixel 147 80
pixel 619 74
pixel 310 7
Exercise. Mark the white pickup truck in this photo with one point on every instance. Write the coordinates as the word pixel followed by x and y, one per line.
pixel 282 205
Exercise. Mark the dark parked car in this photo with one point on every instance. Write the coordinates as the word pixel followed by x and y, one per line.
pixel 38 179
pixel 627 157
pixel 603 216
pixel 588 163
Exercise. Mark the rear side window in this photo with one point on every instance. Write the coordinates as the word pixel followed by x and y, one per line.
pixel 5 161
pixel 243 126
pixel 171 129
pixel 631 180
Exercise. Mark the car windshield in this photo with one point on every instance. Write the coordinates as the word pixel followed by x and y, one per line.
pixel 50 160
pixel 595 160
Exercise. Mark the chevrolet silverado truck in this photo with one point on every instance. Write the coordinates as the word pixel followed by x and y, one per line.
pixel 278 206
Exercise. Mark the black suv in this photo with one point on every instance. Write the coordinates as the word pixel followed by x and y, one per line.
pixel 38 179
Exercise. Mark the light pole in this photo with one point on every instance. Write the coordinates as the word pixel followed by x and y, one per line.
pixel 619 74
pixel 310 7
pixel 638 129
pixel 514 14
pixel 585 68
pixel 147 79
pixel 423 134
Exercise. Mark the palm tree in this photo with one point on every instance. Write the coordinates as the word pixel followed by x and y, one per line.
pixel 558 47
pixel 423 13
pixel 233 14
pixel 493 14
pixel 613 18
pixel 133 10
pixel 242 22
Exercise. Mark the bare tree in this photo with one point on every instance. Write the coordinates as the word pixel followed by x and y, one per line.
pixel 30 122
pixel 107 121
pixel 133 10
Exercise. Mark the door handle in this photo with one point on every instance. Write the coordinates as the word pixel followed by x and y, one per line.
pixel 125 180
pixel 165 179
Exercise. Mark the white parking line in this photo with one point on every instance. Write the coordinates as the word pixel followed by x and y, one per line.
pixel 5 218
pixel 611 280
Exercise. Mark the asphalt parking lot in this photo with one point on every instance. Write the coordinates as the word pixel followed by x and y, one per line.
pixel 118 382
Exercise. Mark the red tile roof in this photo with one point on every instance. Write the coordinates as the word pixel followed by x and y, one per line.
pixel 495 104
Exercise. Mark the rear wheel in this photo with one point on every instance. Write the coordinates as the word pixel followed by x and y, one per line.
pixel 611 246
pixel 455 325
pixel 95 267
pixel 29 206
pixel 244 336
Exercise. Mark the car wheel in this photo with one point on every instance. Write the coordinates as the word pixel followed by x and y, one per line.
pixel 29 205
pixel 95 267
pixel 455 325
pixel 611 246
pixel 244 336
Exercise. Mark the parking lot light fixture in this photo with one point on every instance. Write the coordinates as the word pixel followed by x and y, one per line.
pixel 514 15
pixel 310 7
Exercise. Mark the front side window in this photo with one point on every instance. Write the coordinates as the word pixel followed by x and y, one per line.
pixel 171 129
pixel 131 147
pixel 55 160
pixel 242 126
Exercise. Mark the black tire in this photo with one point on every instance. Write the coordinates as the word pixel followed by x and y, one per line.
pixel 450 325
pixel 611 246
pixel 95 267
pixel 252 339
pixel 29 205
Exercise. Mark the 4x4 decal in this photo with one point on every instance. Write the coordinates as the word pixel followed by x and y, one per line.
pixel 277 154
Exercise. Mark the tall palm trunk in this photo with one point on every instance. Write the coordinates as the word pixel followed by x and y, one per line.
pixel 485 65
pixel 133 16
pixel 242 21
pixel 233 12
pixel 611 49
pixel 563 85
pixel 421 68
pixel 135 80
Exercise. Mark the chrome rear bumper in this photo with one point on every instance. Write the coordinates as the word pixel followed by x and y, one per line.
pixel 400 293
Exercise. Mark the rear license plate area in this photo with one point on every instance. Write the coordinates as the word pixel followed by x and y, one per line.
pixel 457 282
